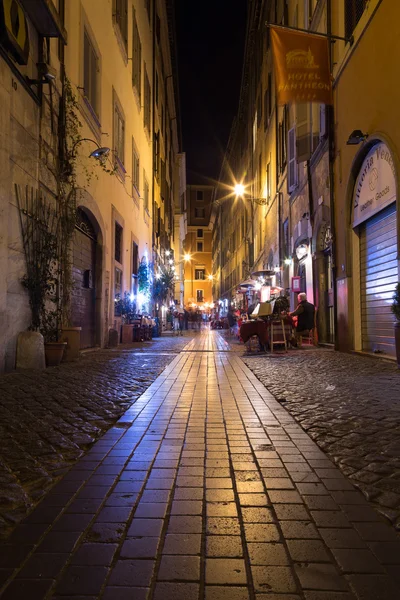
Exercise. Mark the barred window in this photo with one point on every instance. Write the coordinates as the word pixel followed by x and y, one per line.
pixel 147 101
pixel 136 58
pixel 121 19
pixel 90 73
pixel 118 243
pixel 119 134
pixel 135 167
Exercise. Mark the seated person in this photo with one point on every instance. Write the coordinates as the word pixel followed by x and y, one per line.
pixel 305 317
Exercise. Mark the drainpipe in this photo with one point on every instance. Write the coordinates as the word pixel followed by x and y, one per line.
pixel 331 142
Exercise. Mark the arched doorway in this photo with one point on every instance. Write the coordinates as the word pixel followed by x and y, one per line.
pixel 83 300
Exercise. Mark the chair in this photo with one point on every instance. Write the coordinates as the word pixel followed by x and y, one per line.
pixel 137 329
pixel 312 338
pixel 278 334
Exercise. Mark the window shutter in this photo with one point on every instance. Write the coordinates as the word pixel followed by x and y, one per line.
pixel 303 132
pixel 292 160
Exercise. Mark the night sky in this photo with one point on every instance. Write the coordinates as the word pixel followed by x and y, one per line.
pixel 210 39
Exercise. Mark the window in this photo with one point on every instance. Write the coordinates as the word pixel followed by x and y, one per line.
pixel 200 274
pixel 135 167
pixel 147 4
pixel 118 243
pixel 199 246
pixel 199 233
pixel 135 259
pixel 292 160
pixel 268 181
pixel 145 193
pixel 119 134
pixel 353 12
pixel 282 142
pixel 137 58
pixel 147 101
pixel 199 195
pixel 90 73
pixel 199 213
pixel 121 19
pixel 117 289
pixel 199 296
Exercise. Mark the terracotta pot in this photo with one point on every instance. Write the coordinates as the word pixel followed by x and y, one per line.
pixel 53 352
pixel 72 336
pixel 397 340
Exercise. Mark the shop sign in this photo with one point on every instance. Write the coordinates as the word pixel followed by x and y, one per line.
pixel 376 184
pixel 302 70
pixel 296 284
pixel 14 30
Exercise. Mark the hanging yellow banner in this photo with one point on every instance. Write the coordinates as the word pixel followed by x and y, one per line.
pixel 301 62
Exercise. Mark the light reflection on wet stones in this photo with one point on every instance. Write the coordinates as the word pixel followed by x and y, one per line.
pixel 48 419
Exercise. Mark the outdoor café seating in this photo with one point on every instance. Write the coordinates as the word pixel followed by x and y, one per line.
pixel 271 330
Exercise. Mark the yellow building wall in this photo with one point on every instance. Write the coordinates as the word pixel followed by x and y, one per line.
pixel 367 97
pixel 199 260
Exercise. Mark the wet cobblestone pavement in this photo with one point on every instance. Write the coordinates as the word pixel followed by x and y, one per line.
pixel 350 405
pixel 49 418
pixel 205 489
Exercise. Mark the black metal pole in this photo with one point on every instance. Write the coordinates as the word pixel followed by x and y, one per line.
pixel 299 30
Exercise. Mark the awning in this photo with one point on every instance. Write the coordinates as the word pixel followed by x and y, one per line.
pixel 264 273
pixel 248 283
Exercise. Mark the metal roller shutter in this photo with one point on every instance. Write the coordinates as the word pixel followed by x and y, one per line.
pixel 379 275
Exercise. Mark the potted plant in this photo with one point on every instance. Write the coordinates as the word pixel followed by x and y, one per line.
pixel 54 347
pixel 126 308
pixel 396 312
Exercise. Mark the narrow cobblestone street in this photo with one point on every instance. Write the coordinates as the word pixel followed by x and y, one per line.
pixel 205 488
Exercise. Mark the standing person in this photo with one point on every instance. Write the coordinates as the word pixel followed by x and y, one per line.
pixel 176 323
pixel 186 319
pixel 181 317
pixel 304 312
pixel 231 321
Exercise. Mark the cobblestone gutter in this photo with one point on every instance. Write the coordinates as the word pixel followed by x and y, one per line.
pixel 48 419
pixel 350 405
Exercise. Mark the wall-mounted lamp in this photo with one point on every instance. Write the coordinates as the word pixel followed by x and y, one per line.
pixel 99 152
pixel 47 78
pixel 356 137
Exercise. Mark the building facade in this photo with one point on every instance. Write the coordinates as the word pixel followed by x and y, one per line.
pixel 116 69
pixel 197 257
pixel 299 218
pixel 366 175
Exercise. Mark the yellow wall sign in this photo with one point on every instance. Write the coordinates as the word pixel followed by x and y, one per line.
pixel 14 36
pixel 301 62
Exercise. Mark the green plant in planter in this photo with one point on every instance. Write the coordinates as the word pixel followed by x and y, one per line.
pixel 125 307
pixel 396 303
pixel 163 285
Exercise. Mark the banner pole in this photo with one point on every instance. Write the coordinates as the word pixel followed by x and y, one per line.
pixel 332 38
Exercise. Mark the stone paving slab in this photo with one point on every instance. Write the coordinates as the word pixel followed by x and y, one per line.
pixel 206 488
pixel 350 405
pixel 49 418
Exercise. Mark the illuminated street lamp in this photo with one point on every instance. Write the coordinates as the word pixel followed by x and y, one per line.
pixel 210 277
pixel 187 257
pixel 239 190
